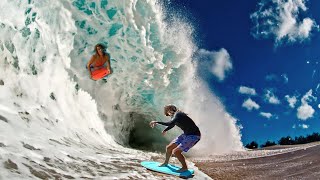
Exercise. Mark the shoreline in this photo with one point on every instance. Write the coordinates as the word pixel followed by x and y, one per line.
pixel 277 162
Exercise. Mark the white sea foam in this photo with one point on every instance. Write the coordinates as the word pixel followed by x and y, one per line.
pixel 56 122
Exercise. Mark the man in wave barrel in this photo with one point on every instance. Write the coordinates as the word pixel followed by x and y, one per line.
pixel 191 134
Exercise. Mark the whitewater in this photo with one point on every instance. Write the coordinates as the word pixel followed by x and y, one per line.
pixel 55 122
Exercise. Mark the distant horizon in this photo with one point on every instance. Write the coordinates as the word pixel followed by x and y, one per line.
pixel 293 139
pixel 264 62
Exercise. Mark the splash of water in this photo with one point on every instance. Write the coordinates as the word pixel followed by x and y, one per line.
pixel 47 100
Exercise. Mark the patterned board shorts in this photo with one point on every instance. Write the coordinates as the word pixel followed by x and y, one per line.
pixel 185 142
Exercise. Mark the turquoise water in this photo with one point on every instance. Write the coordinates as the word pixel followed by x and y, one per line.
pixel 58 123
pixel 151 57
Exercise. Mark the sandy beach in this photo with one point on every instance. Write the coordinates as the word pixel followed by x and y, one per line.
pixel 277 162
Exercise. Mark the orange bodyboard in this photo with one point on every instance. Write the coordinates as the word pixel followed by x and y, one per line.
pixel 99 73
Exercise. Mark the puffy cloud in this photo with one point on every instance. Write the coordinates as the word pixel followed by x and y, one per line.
pixel 247 90
pixel 249 104
pixel 266 115
pixel 222 64
pixel 305 111
pixel 218 62
pixel 282 20
pixel 271 98
pixel 291 100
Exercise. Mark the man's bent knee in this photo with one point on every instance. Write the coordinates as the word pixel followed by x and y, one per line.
pixel 176 151
pixel 170 147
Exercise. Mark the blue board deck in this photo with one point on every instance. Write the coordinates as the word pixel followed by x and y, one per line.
pixel 169 169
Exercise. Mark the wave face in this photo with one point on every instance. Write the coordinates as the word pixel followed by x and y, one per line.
pixel 56 122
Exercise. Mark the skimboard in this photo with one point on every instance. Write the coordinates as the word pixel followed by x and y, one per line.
pixel 169 169
pixel 99 73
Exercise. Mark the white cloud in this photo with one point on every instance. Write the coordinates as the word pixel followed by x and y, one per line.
pixel 247 90
pixel 308 97
pixel 222 64
pixel 218 62
pixel 249 104
pixel 271 98
pixel 282 20
pixel 285 78
pixel 291 100
pixel 317 88
pixel 306 27
pixel 266 115
pixel 305 111
pixel 272 77
pixel 304 126
pixel 314 72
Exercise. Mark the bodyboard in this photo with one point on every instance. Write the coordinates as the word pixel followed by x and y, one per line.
pixel 99 73
pixel 169 169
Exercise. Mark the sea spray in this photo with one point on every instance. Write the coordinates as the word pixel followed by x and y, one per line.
pixel 54 115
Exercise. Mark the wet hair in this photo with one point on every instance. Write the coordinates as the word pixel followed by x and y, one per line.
pixel 170 107
pixel 100 46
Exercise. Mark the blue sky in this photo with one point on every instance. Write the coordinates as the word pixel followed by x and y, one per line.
pixel 264 58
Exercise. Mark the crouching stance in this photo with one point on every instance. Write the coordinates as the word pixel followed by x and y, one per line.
pixel 191 134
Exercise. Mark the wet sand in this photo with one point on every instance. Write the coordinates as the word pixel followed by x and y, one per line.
pixel 298 164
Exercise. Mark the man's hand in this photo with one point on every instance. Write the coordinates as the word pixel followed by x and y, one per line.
pixel 153 124
pixel 164 132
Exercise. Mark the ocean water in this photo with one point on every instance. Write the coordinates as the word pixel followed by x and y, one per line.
pixel 57 123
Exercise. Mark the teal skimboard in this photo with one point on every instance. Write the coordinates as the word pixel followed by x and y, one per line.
pixel 169 169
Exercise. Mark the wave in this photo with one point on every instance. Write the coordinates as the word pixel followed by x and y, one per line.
pixel 46 95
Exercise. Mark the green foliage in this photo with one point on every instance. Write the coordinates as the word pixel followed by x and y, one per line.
pixel 310 138
pixel 268 143
pixel 287 141
pixel 252 145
